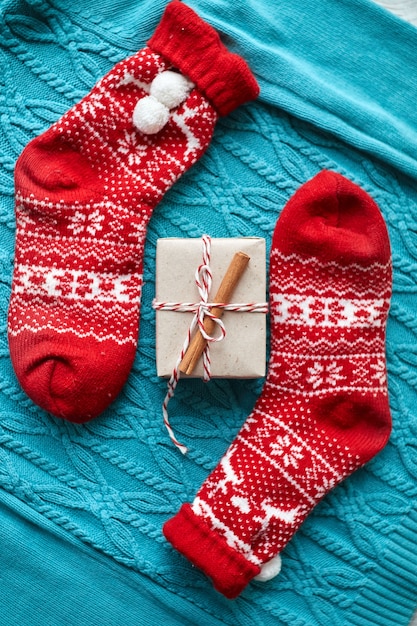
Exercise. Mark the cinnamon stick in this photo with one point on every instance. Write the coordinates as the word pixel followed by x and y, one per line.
pixel 224 294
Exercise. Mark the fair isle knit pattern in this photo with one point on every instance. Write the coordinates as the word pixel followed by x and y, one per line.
pixel 104 489
pixel 77 254
pixel 78 266
pixel 323 411
pixel 85 191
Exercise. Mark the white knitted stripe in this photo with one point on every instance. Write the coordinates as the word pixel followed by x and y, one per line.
pixel 60 330
pixel 311 261
pixel 325 357
pixel 89 308
pixel 328 371
pixel 322 343
pixel 329 390
pixel 302 288
pixel 313 311
pixel 65 284
pixel 89 256
pixel 88 205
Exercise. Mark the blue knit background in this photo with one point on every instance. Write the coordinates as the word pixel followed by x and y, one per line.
pixel 110 484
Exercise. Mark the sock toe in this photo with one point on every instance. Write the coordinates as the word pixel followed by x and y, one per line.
pixel 333 218
pixel 70 384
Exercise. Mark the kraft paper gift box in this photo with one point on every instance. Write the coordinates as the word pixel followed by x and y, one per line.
pixel 242 353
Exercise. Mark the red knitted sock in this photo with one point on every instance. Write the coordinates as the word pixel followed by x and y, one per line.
pixel 85 191
pixel 323 411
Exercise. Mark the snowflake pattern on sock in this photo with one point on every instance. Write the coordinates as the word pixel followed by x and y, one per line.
pixel 323 411
pixel 85 192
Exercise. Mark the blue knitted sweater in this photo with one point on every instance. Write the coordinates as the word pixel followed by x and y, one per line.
pixel 82 506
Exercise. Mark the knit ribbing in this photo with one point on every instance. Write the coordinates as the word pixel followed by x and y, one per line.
pixel 195 48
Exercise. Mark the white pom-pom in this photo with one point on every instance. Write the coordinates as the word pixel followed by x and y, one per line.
pixel 167 91
pixel 270 569
pixel 171 88
pixel 150 115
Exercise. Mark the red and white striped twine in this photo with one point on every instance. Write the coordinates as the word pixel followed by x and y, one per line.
pixel 203 280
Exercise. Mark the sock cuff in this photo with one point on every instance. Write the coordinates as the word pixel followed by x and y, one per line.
pixel 228 569
pixel 194 47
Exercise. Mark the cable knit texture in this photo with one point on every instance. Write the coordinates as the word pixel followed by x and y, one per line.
pixel 83 506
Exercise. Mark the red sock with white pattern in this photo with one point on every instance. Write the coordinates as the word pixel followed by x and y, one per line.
pixel 323 411
pixel 85 191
